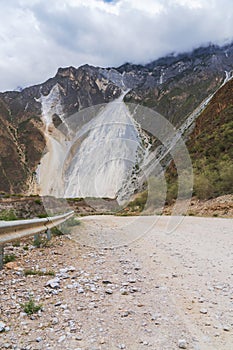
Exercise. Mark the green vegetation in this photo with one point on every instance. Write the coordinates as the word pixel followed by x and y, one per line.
pixel 30 307
pixel 213 180
pixel 77 199
pixel 42 216
pixel 40 241
pixel 9 258
pixel 210 149
pixel 65 228
pixel 212 154
pixel 152 198
pixel 38 273
pixel 73 221
pixel 8 215
pixel 16 243
pixel 138 204
pixel 56 232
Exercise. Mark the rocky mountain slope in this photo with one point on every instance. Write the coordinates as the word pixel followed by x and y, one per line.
pixel 22 139
pixel 210 146
pixel 209 143
pixel 174 86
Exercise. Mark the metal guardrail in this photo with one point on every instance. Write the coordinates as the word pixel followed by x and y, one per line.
pixel 13 230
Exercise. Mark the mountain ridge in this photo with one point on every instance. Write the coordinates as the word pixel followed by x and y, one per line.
pixel 173 86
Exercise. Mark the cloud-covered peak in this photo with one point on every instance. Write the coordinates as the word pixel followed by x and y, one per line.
pixel 39 36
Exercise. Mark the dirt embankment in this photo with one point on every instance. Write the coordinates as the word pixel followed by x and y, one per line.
pixel 32 206
pixel 217 207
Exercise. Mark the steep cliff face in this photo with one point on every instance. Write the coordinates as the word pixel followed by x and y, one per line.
pixel 22 130
pixel 21 142
pixel 174 86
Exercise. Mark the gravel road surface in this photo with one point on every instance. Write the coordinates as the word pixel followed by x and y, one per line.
pixel 156 283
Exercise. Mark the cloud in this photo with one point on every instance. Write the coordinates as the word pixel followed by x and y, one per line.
pixel 37 37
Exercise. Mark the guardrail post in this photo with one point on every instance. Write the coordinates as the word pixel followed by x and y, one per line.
pixel 48 234
pixel 36 239
pixel 1 256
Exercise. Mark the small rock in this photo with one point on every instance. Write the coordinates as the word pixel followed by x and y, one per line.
pixel 57 303
pixel 80 290
pixel 54 321
pixel 155 317
pixel 39 339
pixel 226 328
pixel 204 311
pixel 12 265
pixel 61 339
pixel 132 280
pixel 92 288
pixel 64 275
pixel 53 283
pixel 124 291
pixel 218 287
pixel 70 286
pixel 2 326
pixel 182 344
pixel 79 337
pixel 63 270
pixel 71 268
pixel 201 300
pixel 108 291
pixel 121 346
pixel 125 314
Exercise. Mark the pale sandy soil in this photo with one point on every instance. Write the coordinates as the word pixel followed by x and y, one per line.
pixel 134 287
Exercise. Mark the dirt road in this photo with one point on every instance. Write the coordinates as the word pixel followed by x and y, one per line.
pixel 125 283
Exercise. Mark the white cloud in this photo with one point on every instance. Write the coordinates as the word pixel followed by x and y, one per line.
pixel 38 36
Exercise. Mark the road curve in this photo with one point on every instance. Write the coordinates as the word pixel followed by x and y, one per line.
pixel 186 276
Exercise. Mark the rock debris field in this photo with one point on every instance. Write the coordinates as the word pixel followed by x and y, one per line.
pixel 122 283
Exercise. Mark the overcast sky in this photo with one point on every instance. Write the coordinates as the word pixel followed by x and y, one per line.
pixel 38 36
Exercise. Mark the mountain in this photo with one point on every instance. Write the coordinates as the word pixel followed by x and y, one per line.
pixel 22 138
pixel 55 118
pixel 175 85
pixel 210 146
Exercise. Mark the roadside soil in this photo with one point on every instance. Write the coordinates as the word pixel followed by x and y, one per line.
pixel 32 206
pixel 216 207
